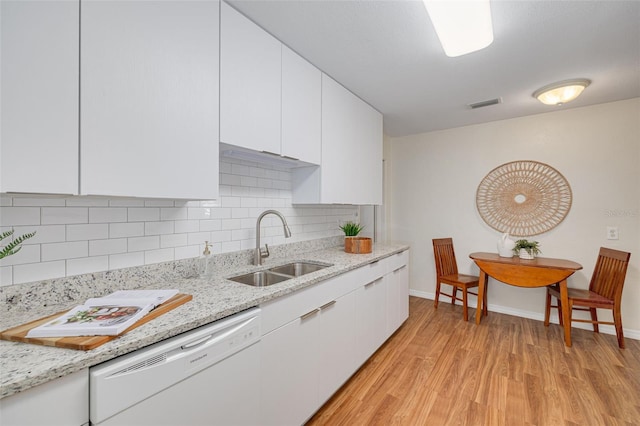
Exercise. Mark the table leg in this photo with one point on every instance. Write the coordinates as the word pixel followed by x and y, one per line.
pixel 481 289
pixel 564 301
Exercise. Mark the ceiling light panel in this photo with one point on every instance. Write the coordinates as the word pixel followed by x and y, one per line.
pixel 463 26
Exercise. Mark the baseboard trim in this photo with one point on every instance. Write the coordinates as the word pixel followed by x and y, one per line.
pixel 606 329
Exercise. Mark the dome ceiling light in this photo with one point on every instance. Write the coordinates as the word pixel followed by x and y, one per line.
pixel 561 92
pixel 463 26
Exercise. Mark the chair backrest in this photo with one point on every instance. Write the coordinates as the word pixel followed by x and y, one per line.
pixel 445 256
pixel 609 274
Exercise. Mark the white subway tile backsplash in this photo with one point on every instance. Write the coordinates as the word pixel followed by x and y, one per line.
pixel 38 271
pixel 157 256
pixel 143 243
pixel 187 252
pixel 197 238
pixel 126 202
pixel 173 240
pixel 231 246
pixel 29 253
pixel 86 265
pixel 87 232
pixel 38 202
pixel 159 203
pixel 90 234
pixel 119 230
pixel 126 260
pixel 146 214
pixel 212 225
pixel 110 246
pixel 13 216
pixel 182 226
pixel 69 250
pixel 44 233
pixel 107 214
pixel 6 275
pixel 173 213
pixel 158 228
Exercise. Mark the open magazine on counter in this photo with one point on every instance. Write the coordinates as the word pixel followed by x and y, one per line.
pixel 104 316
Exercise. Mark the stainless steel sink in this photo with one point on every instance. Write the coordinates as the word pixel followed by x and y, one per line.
pixel 296 269
pixel 279 273
pixel 261 278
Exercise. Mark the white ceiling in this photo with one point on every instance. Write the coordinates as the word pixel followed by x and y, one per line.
pixel 387 52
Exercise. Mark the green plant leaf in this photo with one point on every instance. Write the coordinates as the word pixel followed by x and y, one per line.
pixel 14 246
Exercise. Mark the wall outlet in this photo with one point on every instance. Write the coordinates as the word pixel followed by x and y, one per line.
pixel 612 232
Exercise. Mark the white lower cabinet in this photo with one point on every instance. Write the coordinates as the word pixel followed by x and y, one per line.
pixel 60 402
pixel 371 317
pixel 316 338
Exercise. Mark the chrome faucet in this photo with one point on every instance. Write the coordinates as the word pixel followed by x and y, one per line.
pixel 260 254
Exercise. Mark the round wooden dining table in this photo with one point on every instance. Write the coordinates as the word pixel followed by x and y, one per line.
pixel 538 272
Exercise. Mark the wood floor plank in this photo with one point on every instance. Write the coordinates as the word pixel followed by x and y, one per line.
pixel 440 370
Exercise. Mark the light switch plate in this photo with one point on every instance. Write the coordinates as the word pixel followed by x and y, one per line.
pixel 612 232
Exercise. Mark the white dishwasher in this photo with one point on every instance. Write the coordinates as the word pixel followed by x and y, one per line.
pixel 207 376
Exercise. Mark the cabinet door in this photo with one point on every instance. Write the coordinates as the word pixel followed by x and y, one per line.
pixel 371 317
pixel 289 376
pixel 250 84
pixel 39 96
pixel 60 402
pixel 149 98
pixel 397 298
pixel 351 148
pixel 301 108
pixel 337 345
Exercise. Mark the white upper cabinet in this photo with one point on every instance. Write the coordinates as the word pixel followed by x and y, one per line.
pixel 351 171
pixel 149 98
pixel 250 84
pixel 39 96
pixel 301 108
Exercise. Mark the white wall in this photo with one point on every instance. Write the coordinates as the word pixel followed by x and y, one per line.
pixel 79 235
pixel 433 179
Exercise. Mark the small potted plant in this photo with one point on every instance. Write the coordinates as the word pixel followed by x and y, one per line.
pixel 526 249
pixel 353 243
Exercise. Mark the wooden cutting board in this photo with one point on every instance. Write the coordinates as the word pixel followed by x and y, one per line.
pixel 85 343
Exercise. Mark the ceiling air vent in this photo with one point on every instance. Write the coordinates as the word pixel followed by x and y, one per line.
pixel 485 103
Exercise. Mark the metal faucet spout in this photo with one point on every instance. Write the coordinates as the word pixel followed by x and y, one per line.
pixel 259 254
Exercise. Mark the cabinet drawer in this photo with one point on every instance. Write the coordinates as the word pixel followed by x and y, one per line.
pixel 397 260
pixel 279 312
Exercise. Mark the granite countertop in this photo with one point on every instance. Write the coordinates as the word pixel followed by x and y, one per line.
pixel 25 365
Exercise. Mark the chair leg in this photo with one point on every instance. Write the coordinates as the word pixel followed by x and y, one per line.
pixel 617 319
pixel 435 302
pixel 547 309
pixel 560 320
pixel 594 318
pixel 484 297
pixel 455 294
pixel 465 313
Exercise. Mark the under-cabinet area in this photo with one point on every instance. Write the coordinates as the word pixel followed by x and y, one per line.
pixel 305 338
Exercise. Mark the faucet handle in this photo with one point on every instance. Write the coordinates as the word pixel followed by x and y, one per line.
pixel 265 253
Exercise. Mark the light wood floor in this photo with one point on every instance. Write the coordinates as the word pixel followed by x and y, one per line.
pixel 439 370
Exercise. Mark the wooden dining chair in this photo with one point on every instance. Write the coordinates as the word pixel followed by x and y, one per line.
pixel 605 292
pixel 447 273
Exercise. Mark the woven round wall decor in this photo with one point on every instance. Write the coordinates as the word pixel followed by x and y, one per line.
pixel 523 198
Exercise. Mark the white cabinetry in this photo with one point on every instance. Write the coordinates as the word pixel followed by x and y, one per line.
pixel 60 402
pixel 269 96
pixel 39 96
pixel 351 171
pixel 250 88
pixel 149 98
pixel 397 285
pixel 301 108
pixel 316 338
